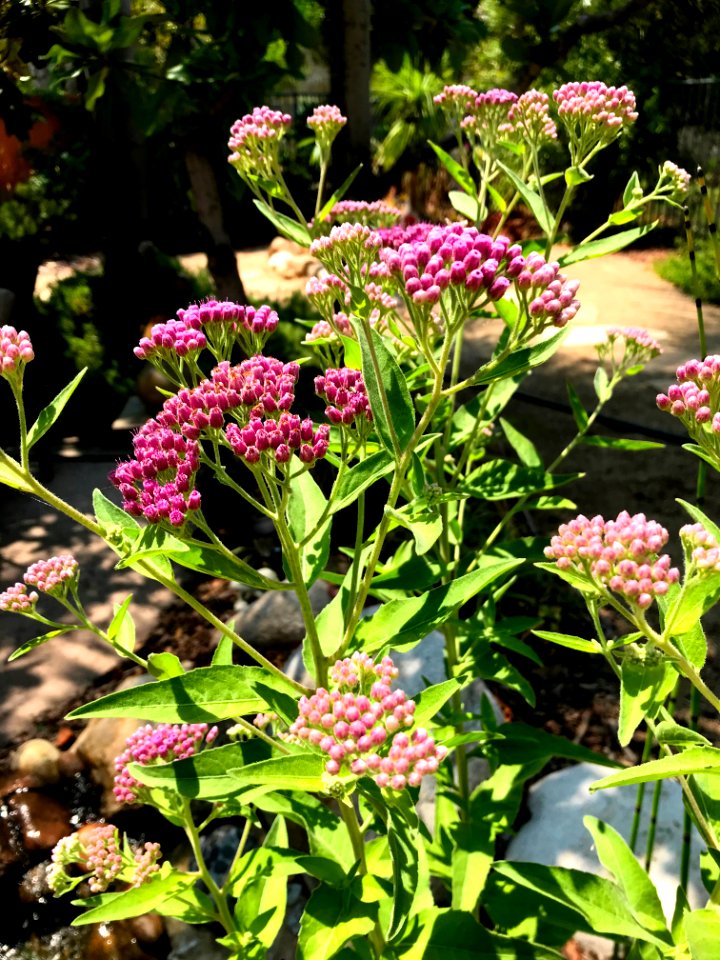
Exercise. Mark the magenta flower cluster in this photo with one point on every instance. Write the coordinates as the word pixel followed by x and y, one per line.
pixel 53 575
pixel 592 102
pixel 168 340
pixel 348 250
pixel 553 295
pixel 326 122
pixel 344 390
pixel 530 116
pixel 701 547
pixel 374 213
pixel 161 744
pixel 279 438
pixel 354 723
pixel 158 483
pixel 695 398
pixel 254 140
pixel 395 237
pixel 15 350
pixel 622 555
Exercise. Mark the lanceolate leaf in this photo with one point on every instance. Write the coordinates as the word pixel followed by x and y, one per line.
pixel 566 640
pixel 306 508
pixel 137 900
pixel 52 411
pixel 38 641
pixel 207 694
pixel 456 170
pixel 598 248
pixel 331 918
pixel 521 360
pixel 285 225
pixel 404 841
pixel 302 771
pixel 694 760
pixel 339 194
pixel 531 198
pixel 645 685
pixel 432 699
pixel 400 624
pixel 360 477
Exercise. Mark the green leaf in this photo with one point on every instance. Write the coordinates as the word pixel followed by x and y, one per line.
pixel 578 410
pixel 261 905
pixel 567 640
pixel 466 205
pixel 702 454
pixel 351 352
pixel 497 198
pixel 404 841
pixel 110 515
pixel 285 225
pixel 122 626
pixel 165 665
pixel 354 481
pixel 575 176
pixel 456 170
pixel 702 928
pixel 133 902
pixel 620 443
pixel 519 743
pixel 338 194
pixel 521 360
pixel 632 186
pixel 402 623
pixel 600 902
pixel 223 655
pixel 396 431
pixel 617 857
pixel 671 733
pixel 621 217
pixel 569 576
pixel 440 934
pixel 524 448
pixel 38 641
pixel 331 918
pixel 432 699
pixel 697 596
pixel 473 853
pixel 502 480
pixel 599 248
pixel 301 771
pixel 306 507
pixel 11 473
pixel 531 198
pixel 646 683
pixel 602 385
pixel 700 517
pixel 206 694
pixel 52 411
pixel 205 775
pixel 693 760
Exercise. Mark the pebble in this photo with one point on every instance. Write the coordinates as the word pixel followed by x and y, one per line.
pixel 38 758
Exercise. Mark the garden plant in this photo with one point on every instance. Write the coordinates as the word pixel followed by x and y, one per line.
pixel 368 791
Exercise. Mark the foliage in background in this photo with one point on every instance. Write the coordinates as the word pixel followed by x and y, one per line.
pixel 676 269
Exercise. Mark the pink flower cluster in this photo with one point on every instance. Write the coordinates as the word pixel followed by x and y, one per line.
pixel 458 95
pixel 628 349
pixel 348 250
pixel 168 340
pixel 676 179
pixel 594 103
pixel 157 484
pixel 161 744
pixel 15 350
pixel 279 438
pixel 489 118
pixel 702 548
pixel 396 236
pixel 146 860
pixel 102 857
pixel 325 293
pixel 354 722
pixel 375 213
pixel 95 848
pixel 530 115
pixel 16 599
pixel 263 383
pixel 695 398
pixel 326 122
pixel 53 575
pixel 346 395
pixel 454 256
pixel 622 555
pixel 254 140
pixel 553 294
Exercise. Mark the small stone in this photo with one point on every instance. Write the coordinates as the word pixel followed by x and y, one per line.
pixel 64 737
pixel 38 758
pixel 148 927
pixel 42 821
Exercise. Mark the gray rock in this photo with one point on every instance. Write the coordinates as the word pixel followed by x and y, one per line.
pixel 276 619
pixel 192 942
pixel 555 834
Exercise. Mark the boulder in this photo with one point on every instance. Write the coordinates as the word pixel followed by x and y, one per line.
pixel 42 821
pixel 275 620
pixel 102 740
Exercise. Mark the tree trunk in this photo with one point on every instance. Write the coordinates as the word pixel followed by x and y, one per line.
pixel 222 262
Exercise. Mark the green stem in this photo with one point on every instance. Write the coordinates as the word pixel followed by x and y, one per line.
pixel 252 731
pixel 216 893
pixel 24 450
pixel 238 855
pixel 640 795
pixel 652 824
pixel 321 187
pixel 564 203
pixel 349 817
pixel 357 552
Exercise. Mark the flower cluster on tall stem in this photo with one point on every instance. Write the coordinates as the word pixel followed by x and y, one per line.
pixel 695 401
pixel 593 115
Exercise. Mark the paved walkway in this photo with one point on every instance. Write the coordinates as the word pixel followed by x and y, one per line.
pixel 620 290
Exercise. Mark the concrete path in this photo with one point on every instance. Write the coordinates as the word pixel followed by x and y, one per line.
pixel 621 290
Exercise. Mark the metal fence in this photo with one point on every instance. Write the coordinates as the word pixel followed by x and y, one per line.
pixel 297 104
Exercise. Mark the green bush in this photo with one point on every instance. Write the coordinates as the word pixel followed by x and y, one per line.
pixel 676 269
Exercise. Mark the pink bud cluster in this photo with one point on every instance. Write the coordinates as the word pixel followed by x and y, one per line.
pixel 157 484
pixel 396 236
pixel 627 349
pixel 346 395
pixel 16 599
pixel 622 555
pixel 161 744
pixel 592 102
pixel 15 350
pixel 553 295
pixel 354 722
pixel 146 863
pixel 348 250
pixel 456 94
pixel 702 548
pixel 254 140
pixel 326 122
pixel 375 213
pixel 279 438
pixel 325 293
pixel 489 118
pixel 102 857
pixel 452 256
pixel 53 575
pixel 330 330
pixel 530 116
pixel 263 383
pixel 168 340
pixel 695 398
pixel 674 179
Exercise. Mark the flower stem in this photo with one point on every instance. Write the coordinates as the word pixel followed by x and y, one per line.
pixel 216 893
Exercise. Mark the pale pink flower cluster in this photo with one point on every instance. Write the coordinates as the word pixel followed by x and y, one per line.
pixel 345 392
pixel 348 250
pixel 161 744
pixel 489 118
pixel 457 95
pixel 325 293
pixel 146 860
pixel 695 398
pixel 16 599
pixel 169 340
pixel 592 102
pixel 701 547
pixel 622 555
pixel 354 722
pixel 103 859
pixel 97 853
pixel 53 575
pixel 278 438
pixel 530 116
pixel 15 350
pixel 676 179
pixel 254 140
pixel 326 122
pixel 374 213
pixel 628 349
